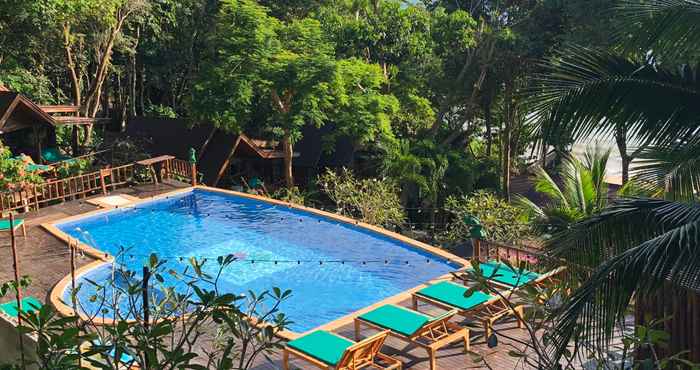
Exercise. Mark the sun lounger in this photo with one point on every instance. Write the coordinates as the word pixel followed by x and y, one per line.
pixel 5 226
pixel 478 306
pixel 52 155
pixel 327 350
pixel 29 304
pixel 427 332
pixel 503 276
pixel 29 164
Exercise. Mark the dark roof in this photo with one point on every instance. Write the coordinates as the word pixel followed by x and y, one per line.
pixel 18 112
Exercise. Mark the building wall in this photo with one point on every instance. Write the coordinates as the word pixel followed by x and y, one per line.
pixel 9 343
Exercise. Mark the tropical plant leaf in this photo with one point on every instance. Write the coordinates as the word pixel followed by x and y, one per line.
pixel 671 28
pixel 600 304
pixel 675 168
pixel 586 91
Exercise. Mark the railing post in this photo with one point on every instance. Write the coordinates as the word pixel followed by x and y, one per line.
pixel 104 173
pixel 194 174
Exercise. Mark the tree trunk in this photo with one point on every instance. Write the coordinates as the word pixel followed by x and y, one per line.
pixel 488 120
pixel 621 140
pixel 506 139
pixel 288 155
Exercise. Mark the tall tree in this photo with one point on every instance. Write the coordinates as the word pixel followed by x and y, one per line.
pixel 291 69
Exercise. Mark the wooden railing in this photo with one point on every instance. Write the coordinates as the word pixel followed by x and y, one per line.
pixel 102 181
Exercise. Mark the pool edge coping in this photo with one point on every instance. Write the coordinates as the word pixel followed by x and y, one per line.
pixel 102 257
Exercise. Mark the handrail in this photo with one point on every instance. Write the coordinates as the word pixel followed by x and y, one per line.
pixel 102 181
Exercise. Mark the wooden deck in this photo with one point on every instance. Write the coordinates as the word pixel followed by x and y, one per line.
pixel 46 260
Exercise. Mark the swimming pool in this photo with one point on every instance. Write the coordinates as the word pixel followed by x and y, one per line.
pixel 206 224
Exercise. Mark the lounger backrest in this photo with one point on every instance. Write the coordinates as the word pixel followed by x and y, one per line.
pixel 362 353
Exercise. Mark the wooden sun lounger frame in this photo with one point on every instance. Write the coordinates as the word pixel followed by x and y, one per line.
pixel 487 313
pixel 431 337
pixel 360 355
pixel 23 226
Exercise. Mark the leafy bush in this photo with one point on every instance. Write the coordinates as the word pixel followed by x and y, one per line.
pixel 502 221
pixel 372 201
pixel 159 111
pixel 13 176
pixel 73 167
pixel 174 335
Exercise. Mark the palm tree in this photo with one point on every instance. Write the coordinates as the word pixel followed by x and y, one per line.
pixel 582 194
pixel 635 246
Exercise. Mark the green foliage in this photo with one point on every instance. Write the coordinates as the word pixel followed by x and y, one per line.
pixel 35 86
pixel 175 330
pixel 13 174
pixel 74 167
pixel 501 221
pixel 160 111
pixel 372 201
pixel 583 192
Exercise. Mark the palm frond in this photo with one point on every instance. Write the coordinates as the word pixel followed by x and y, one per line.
pixel 624 224
pixel 594 310
pixel 675 168
pixel 670 28
pixel 587 91
pixel 532 209
pixel 546 185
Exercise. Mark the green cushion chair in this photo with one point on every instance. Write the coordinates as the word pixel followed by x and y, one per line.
pixel 5 226
pixel 52 155
pixel 29 304
pixel 475 305
pixel 328 350
pixel 428 332
pixel 500 273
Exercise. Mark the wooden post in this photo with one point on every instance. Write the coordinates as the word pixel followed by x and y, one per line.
pixel 194 174
pixel 104 173
pixel 146 308
pixel 18 295
pixel 476 246
pixel 72 283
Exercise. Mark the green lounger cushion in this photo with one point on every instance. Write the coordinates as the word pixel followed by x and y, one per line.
pixel 397 319
pixel 52 155
pixel 322 345
pixel 29 304
pixel 37 167
pixel 452 294
pixel 5 224
pixel 503 274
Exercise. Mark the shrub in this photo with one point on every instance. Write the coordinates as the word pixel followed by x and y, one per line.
pixel 175 333
pixel 502 221
pixel 373 201
pixel 13 176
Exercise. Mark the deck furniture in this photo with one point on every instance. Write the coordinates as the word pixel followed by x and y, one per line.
pixel 29 164
pixel 5 226
pixel 428 332
pixel 150 163
pixel 499 274
pixel 327 350
pixel 485 308
pixel 29 304
pixel 52 155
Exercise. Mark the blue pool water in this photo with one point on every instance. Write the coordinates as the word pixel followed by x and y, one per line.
pixel 207 224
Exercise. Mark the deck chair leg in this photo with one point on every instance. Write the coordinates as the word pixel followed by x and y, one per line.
pixel 285 359
pixel 414 303
pixel 357 330
pixel 24 230
pixel 467 342
pixel 432 355
pixel 487 329
pixel 520 316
